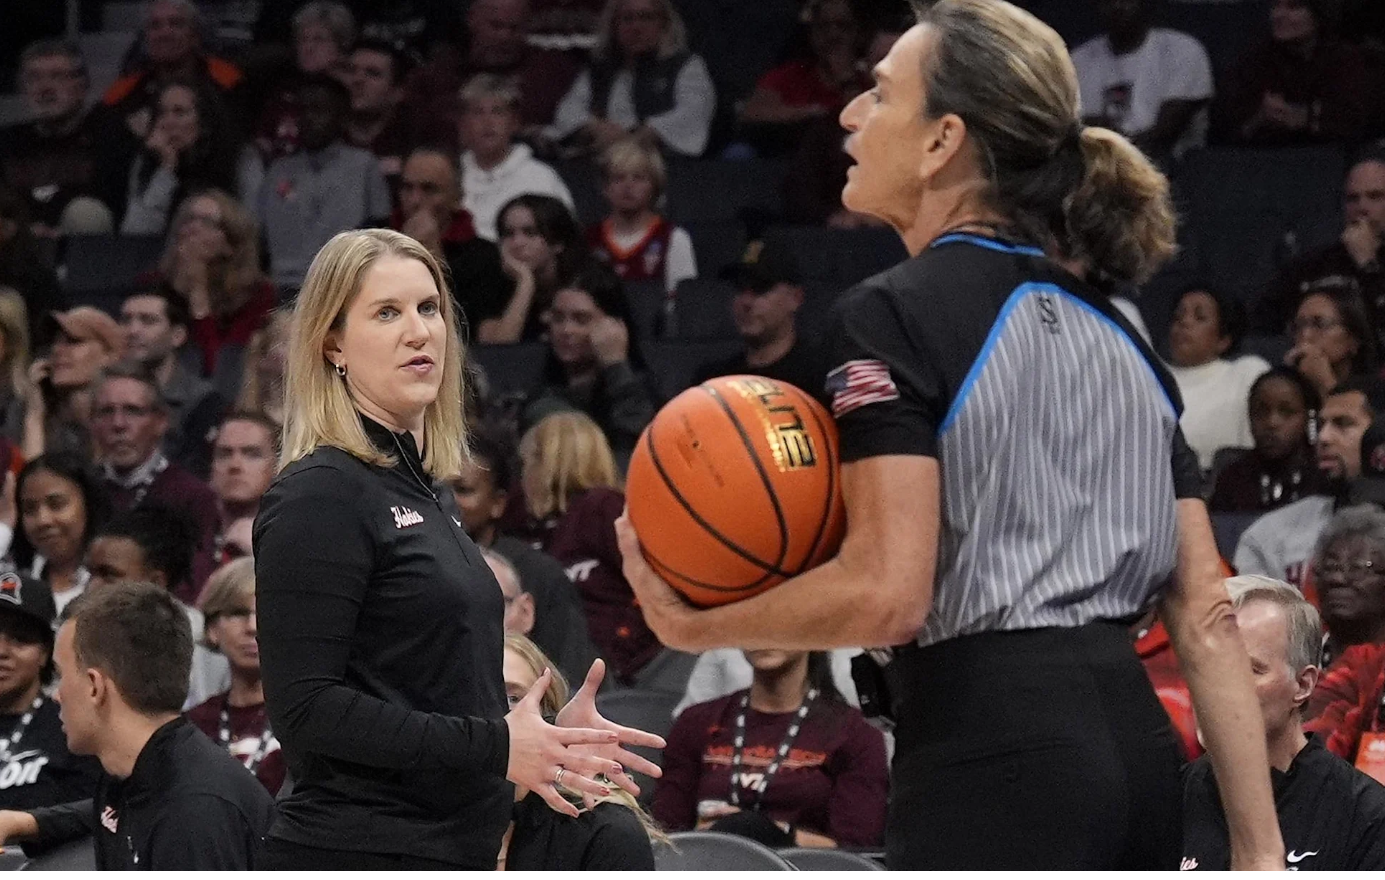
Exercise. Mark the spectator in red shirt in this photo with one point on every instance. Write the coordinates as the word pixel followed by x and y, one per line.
pixel 1304 86
pixel 573 497
pixel 787 762
pixel 236 720
pixel 638 242
pixel 172 47
pixel 213 260
pixel 814 87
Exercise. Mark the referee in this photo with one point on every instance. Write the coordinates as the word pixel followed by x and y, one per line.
pixel 1017 489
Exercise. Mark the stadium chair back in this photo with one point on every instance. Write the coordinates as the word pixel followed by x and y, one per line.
pixel 675 361
pixel 79 855
pixel 510 369
pixel 702 310
pixel 646 710
pixel 812 859
pixel 714 851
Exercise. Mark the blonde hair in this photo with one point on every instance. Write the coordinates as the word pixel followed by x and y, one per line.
pixel 632 155
pixel 14 324
pixel 1086 194
pixel 674 41
pixel 318 409
pixel 489 85
pixel 232 278
pixel 254 396
pixel 554 699
pixel 229 588
pixel 565 453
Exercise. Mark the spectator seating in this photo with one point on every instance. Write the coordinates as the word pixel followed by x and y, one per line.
pixel 711 191
pixel 1242 203
pixel 716 244
pixel 79 855
pixel 702 309
pixel 510 369
pixel 583 180
pixel 714 851
pixel 814 859
pixel 675 361
pixel 1226 30
pixel 101 270
pixel 124 15
pixel 646 710
pixel 1227 529
pixel 647 300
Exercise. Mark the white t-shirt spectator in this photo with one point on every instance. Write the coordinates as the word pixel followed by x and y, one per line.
pixel 1129 89
pixel 1216 404
pixel 486 192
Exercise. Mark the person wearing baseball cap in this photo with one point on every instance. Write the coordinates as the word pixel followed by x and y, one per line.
pixel 769 292
pixel 85 341
pixel 36 768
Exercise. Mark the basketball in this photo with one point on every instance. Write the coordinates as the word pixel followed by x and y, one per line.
pixel 735 487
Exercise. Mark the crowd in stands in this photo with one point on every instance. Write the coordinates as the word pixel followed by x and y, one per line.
pixel 548 152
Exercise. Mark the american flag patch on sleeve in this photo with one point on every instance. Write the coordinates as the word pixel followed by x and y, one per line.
pixel 860 383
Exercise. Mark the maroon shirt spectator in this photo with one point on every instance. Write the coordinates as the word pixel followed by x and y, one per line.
pixel 129 425
pixel 833 783
pixel 247 728
pixel 1282 468
pixel 496 44
pixel 172 50
pixel 1304 86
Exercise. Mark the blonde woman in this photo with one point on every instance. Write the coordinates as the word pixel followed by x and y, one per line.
pixel 14 362
pixel 213 261
pixel 1017 490
pixel 237 720
pixel 642 81
pixel 573 496
pixel 262 378
pixel 614 834
pixel 379 621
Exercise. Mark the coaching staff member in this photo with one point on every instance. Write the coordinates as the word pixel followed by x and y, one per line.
pixel 1008 448
pixel 379 621
pixel 170 799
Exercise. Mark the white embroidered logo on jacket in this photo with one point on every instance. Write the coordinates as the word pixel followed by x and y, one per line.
pixel 404 517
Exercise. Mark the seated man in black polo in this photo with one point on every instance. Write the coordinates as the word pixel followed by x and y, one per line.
pixel 769 293
pixel 1331 815
pixel 170 799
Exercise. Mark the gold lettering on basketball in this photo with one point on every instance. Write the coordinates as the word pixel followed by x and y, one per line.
pixel 789 442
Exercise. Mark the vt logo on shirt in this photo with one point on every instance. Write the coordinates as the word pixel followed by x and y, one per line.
pixel 404 517
pixel 580 571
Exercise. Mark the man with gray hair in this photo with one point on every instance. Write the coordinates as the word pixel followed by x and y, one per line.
pixel 1331 815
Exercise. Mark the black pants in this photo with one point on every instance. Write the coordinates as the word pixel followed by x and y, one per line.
pixel 1037 750
pixel 280 855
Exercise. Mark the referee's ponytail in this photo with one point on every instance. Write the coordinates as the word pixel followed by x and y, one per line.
pixel 1087 194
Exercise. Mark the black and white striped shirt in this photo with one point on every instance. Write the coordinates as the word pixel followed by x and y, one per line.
pixel 1054 427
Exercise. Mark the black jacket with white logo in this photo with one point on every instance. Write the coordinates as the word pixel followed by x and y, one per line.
pixel 186 806
pixel 41 771
pixel 381 640
pixel 1331 815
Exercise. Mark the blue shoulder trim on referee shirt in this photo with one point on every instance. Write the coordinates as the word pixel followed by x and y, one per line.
pixel 1011 303
pixel 989 244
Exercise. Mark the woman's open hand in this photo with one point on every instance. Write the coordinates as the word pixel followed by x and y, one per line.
pixel 581 711
pixel 544 757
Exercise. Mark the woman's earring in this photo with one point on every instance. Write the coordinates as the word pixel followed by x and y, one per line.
pixel 341 371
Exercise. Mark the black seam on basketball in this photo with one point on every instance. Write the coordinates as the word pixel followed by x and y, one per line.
pixel 705 586
pixel 831 485
pixel 764 479
pixel 706 526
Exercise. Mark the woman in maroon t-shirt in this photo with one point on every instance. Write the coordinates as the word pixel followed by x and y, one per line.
pixel 573 497
pixel 236 720
pixel 787 762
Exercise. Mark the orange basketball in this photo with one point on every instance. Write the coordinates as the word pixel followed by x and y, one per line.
pixel 735 487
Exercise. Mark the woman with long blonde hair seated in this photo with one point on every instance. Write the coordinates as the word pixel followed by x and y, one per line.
pixel 614 834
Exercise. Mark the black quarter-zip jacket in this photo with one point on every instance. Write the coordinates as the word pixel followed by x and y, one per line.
pixel 381 640
pixel 187 805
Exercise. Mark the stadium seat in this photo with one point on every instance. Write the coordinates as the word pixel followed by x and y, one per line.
pixel 813 859
pixel 103 268
pixel 739 40
pixel 674 361
pixel 647 300
pixel 647 710
pixel 1227 528
pixel 510 369
pixel 1242 204
pixel 79 855
pixel 715 245
pixel 710 191
pixel 714 851
pixel 583 180
pixel 702 310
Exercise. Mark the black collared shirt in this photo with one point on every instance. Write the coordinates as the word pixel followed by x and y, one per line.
pixel 381 640
pixel 1331 815
pixel 186 806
